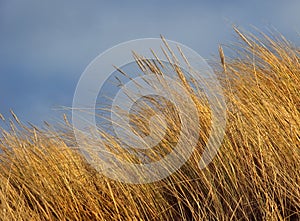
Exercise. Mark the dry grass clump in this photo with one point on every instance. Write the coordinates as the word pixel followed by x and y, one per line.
pixel 255 176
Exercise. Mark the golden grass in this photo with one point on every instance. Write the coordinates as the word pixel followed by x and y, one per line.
pixel 255 176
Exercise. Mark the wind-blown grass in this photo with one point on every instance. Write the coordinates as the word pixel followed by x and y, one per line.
pixel 255 176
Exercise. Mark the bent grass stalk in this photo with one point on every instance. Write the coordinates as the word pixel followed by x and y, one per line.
pixel 255 176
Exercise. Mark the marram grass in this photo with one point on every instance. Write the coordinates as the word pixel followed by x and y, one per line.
pixel 255 176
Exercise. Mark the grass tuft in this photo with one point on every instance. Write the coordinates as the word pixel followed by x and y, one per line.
pixel 255 176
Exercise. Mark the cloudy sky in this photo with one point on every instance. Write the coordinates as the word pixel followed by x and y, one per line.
pixel 46 45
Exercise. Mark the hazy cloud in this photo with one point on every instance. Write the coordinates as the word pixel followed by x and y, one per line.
pixel 46 45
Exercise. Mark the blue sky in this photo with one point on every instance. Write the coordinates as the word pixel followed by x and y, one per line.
pixel 46 45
